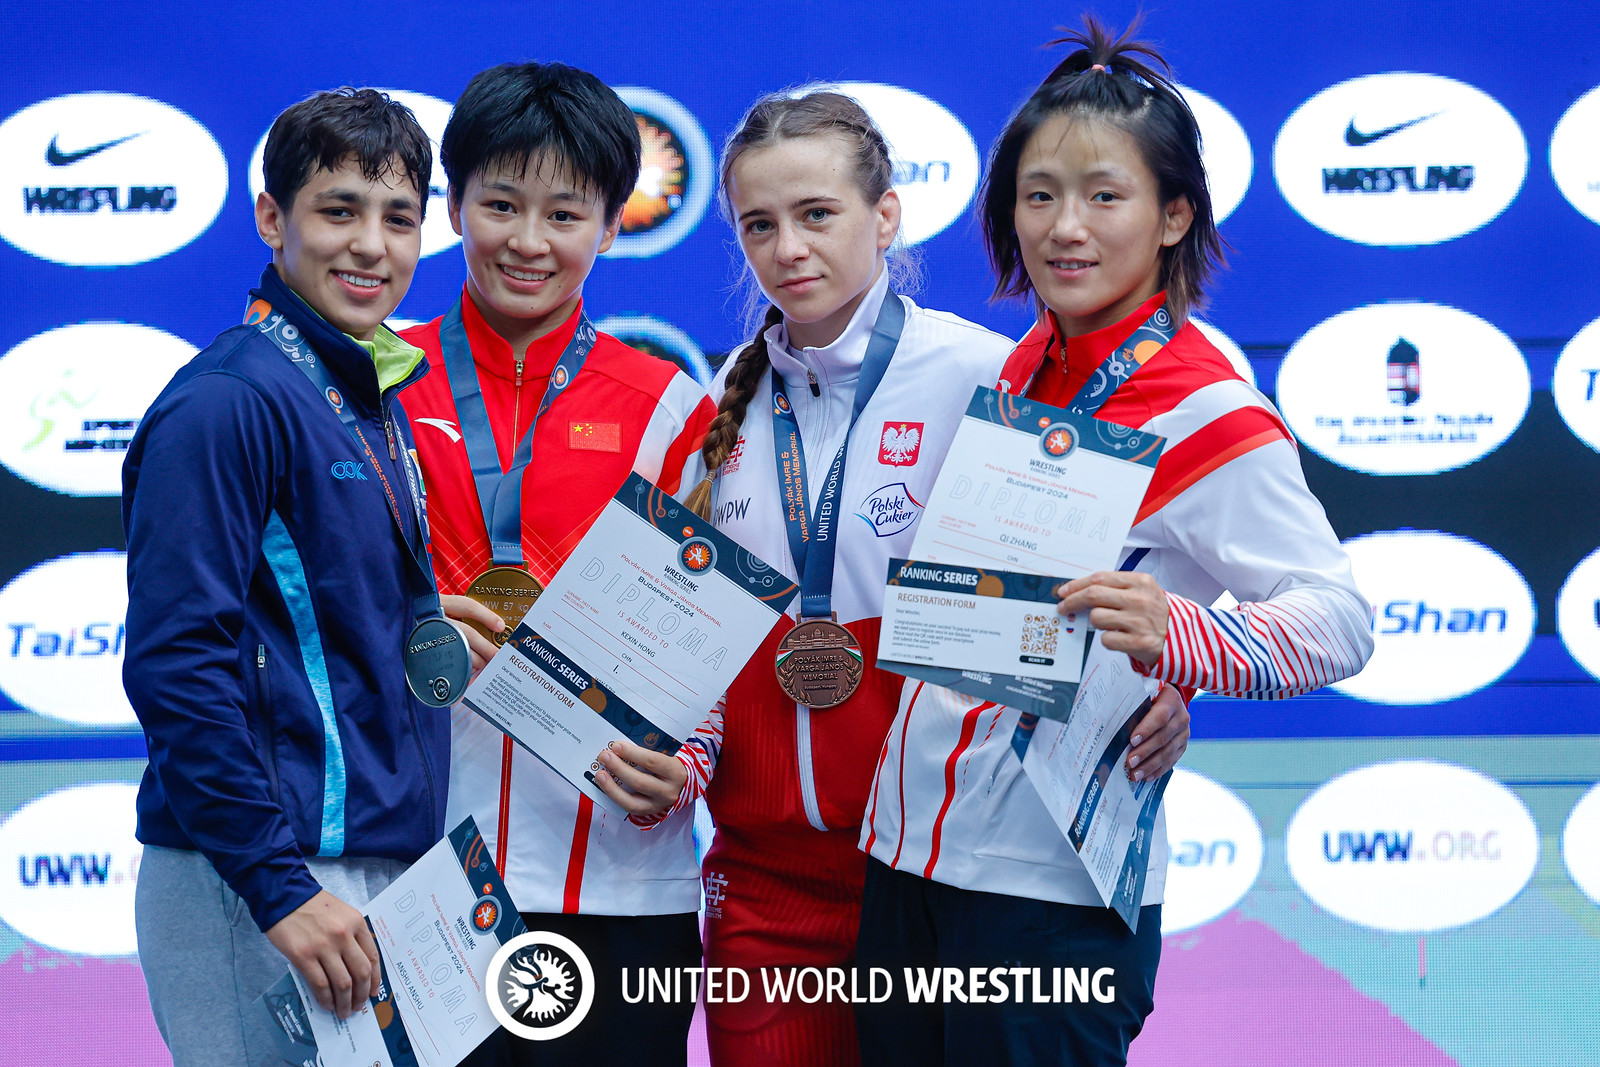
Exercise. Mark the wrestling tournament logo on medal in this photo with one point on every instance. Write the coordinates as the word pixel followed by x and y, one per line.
pixel 697 555
pixel 676 175
pixel 1057 441
pixel 541 985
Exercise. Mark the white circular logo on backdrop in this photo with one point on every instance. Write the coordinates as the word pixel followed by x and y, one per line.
pixel 1575 385
pixel 1225 151
pixel 1575 154
pixel 1580 844
pixel 69 864
pixel 662 340
pixel 432 115
pixel 71 399
pixel 1578 613
pixel 1404 388
pixel 107 179
pixel 1449 616
pixel 677 175
pixel 1412 846
pixel 936 165
pixel 1215 851
pixel 1400 159
pixel 1224 344
pixel 62 636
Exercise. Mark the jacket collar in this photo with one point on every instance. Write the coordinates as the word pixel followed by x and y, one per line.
pixel 838 362
pixel 347 361
pixel 1042 349
pixel 492 353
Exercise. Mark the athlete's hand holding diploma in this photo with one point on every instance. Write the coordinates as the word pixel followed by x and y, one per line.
pixel 1130 610
pixel 330 945
pixel 642 781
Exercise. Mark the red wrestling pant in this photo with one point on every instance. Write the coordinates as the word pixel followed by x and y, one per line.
pixel 794 902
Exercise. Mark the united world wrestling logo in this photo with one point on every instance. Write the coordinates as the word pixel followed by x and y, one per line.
pixel 541 985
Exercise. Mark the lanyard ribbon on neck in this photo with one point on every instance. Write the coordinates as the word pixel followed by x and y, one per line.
pixel 291 342
pixel 500 493
pixel 820 531
pixel 1151 336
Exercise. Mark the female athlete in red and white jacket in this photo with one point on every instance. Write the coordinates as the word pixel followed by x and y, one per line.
pixel 1096 205
pixel 807 182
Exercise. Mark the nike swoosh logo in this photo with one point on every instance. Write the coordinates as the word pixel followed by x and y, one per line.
pixel 447 426
pixel 57 158
pixel 1356 139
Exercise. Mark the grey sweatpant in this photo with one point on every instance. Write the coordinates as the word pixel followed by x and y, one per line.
pixel 205 961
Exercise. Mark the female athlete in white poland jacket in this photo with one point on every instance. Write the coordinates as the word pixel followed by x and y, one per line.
pixel 1096 205
pixel 807 181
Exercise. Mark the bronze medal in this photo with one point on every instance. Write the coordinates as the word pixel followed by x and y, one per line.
pixel 508 592
pixel 818 663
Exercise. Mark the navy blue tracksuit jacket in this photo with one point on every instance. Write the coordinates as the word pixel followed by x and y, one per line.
pixel 269 599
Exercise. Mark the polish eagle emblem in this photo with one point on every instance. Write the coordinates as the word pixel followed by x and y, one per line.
pixel 900 443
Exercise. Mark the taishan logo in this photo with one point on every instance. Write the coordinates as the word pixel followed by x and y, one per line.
pixel 107 179
pixel 676 175
pixel 1216 851
pixel 1400 159
pixel 1450 616
pixel 1575 385
pixel 62 638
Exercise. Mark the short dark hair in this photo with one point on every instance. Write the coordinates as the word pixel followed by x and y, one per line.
pixel 327 128
pixel 513 112
pixel 1106 79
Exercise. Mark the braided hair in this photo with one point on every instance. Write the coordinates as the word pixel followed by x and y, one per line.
pixel 782 117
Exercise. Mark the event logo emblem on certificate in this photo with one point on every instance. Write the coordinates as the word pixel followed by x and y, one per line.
pixel 649 621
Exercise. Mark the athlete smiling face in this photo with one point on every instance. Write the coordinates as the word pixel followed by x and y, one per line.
pixel 1090 223
pixel 349 244
pixel 530 239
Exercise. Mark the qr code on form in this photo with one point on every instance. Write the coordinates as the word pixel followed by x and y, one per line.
pixel 1040 634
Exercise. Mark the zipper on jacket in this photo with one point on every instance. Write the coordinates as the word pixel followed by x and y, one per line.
pixel 264 702
pixel 811 376
pixel 516 400
pixel 388 429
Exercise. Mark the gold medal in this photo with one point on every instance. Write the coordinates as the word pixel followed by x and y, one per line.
pixel 819 663
pixel 508 592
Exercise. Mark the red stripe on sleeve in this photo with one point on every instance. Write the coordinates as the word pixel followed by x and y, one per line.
pixel 969 726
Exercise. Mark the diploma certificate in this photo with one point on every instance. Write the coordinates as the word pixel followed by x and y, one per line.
pixel 637 636
pixel 1031 489
pixel 438 927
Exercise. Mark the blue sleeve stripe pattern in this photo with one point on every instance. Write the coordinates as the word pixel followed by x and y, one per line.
pixel 284 560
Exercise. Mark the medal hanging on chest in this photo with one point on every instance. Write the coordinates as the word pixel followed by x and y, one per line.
pixel 506 587
pixel 435 658
pixel 819 663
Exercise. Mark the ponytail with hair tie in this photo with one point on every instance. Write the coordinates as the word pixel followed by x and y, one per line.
pixel 743 380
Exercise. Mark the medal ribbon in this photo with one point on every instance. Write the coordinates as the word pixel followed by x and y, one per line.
pixel 500 493
pixel 821 529
pixel 290 342
pixel 1151 336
